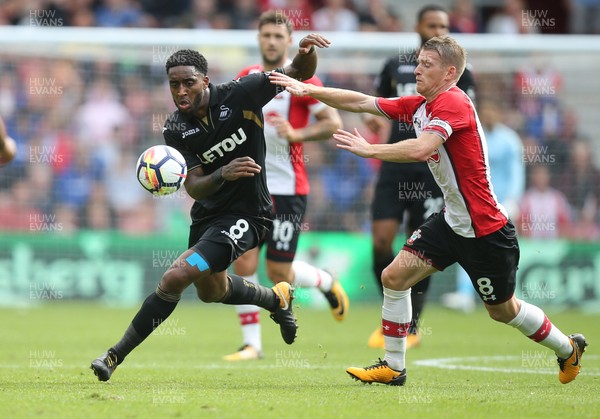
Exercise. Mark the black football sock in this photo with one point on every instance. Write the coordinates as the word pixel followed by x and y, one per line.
pixel 418 296
pixel 240 291
pixel 380 262
pixel 156 308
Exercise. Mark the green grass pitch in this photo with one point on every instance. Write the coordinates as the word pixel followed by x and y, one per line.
pixel 467 366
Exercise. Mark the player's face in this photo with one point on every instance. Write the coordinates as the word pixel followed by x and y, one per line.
pixel 432 24
pixel 430 73
pixel 189 89
pixel 274 41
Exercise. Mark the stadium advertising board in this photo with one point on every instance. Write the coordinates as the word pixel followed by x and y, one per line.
pixel 116 269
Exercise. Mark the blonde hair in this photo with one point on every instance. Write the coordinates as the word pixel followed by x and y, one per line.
pixel 450 51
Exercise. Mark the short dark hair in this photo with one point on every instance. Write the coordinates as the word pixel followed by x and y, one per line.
pixel 275 17
pixel 430 8
pixel 187 57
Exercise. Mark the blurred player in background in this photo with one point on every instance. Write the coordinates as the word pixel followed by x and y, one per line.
pixel 8 147
pixel 219 129
pixel 400 186
pixel 286 127
pixel 473 229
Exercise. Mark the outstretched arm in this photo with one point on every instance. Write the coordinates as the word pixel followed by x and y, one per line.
pixel 328 120
pixel 304 64
pixel 412 150
pixel 346 100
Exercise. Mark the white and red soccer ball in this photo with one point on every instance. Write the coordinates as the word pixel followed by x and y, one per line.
pixel 161 170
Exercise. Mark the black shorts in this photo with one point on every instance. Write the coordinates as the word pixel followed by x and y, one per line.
pixel 288 222
pixel 221 240
pixel 491 261
pixel 406 187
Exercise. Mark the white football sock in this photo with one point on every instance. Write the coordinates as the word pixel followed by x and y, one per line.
pixel 308 276
pixel 396 315
pixel 533 323
pixel 249 316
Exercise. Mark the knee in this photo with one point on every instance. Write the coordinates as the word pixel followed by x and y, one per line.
pixel 499 315
pixel 175 280
pixel 505 312
pixel 381 246
pixel 244 267
pixel 393 280
pixel 213 288
pixel 207 296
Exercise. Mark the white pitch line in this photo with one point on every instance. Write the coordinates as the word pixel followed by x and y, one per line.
pixel 466 363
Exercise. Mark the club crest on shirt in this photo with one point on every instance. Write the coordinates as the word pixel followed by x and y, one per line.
pixel 417 122
pixel 416 235
pixel 225 113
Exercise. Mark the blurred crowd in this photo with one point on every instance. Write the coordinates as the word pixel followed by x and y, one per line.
pixel 467 16
pixel 80 126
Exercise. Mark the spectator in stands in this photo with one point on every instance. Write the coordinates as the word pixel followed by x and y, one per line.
pixel 166 13
pixel 299 12
pixel 463 17
pixel 335 16
pixel 376 16
pixel 244 14
pixel 119 13
pixel 134 212
pixel 545 212
pixel 509 19
pixel 585 17
pixel 580 182
pixel 98 214
pixel 98 117
pixel 72 187
pixel 550 17
pixel 345 180
pixel 205 14
pixel 537 91
pixel 17 212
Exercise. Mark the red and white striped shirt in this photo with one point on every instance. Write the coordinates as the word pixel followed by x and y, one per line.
pixel 286 173
pixel 460 166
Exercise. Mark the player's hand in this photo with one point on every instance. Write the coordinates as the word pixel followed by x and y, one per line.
pixel 284 128
pixel 239 168
pixel 295 87
pixel 353 142
pixel 313 39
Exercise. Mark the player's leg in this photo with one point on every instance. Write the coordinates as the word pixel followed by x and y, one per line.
pixel 387 212
pixel 281 251
pixel 424 198
pixel 533 323
pixel 249 315
pixel 425 252
pixel 383 233
pixel 154 310
pixel 404 272
pixel 493 268
pixel 221 250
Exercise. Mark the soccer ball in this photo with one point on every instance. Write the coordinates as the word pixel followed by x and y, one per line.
pixel 161 170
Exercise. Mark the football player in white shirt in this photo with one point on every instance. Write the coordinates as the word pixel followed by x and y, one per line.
pixel 286 127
